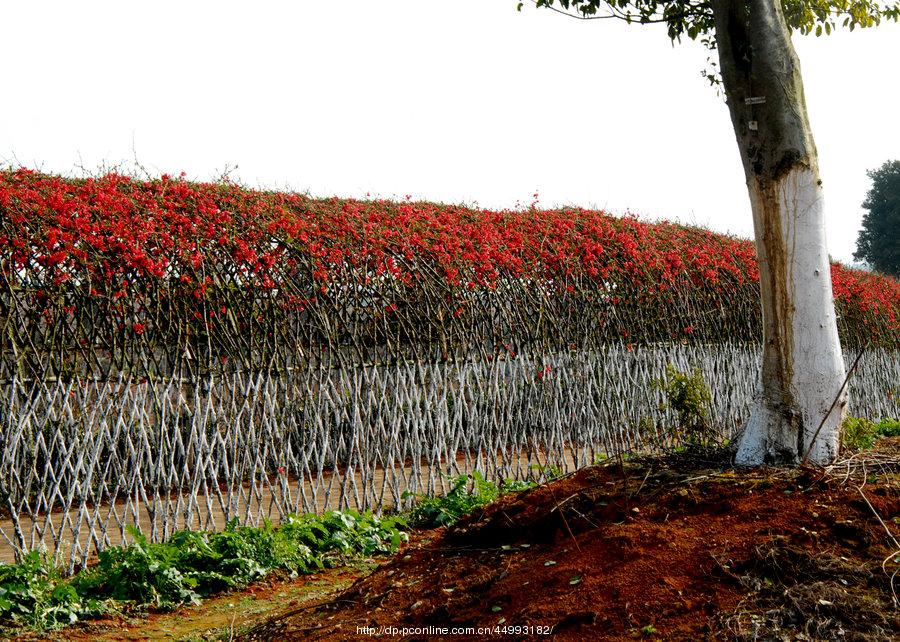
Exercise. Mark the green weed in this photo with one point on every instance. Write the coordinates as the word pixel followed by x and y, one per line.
pixel 34 593
pixel 189 566
pixel 888 428
pixel 859 433
pixel 467 493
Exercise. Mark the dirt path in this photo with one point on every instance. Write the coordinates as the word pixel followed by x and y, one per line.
pixel 218 618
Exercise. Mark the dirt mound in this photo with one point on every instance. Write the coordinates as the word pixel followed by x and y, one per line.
pixel 655 548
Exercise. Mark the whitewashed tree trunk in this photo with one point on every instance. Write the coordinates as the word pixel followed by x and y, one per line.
pixel 803 367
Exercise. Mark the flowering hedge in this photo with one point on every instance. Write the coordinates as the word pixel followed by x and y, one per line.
pixel 112 273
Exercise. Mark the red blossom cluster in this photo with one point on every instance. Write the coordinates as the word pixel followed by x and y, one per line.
pixel 113 235
pixel 118 228
pixel 871 296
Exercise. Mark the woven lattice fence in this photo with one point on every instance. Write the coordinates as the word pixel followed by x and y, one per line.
pixel 179 354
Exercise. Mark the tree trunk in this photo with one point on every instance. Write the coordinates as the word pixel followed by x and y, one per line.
pixel 802 364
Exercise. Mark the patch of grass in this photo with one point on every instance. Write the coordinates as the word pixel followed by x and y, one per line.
pixel 858 433
pixel 189 566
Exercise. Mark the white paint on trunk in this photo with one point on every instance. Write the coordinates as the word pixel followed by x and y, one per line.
pixel 803 367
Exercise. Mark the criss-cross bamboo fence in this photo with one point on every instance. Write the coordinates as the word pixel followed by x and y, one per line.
pixel 179 355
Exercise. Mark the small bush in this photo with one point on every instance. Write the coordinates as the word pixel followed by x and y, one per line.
pixel 888 428
pixel 467 493
pixel 859 433
pixel 689 396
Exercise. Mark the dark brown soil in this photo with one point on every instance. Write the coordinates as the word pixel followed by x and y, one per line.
pixel 674 548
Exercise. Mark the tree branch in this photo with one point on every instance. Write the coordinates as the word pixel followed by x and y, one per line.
pixel 618 14
pixel 575 16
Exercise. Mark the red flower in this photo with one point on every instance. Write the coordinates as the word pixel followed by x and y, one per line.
pixel 127 241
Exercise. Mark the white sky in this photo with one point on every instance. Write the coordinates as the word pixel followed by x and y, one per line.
pixel 464 101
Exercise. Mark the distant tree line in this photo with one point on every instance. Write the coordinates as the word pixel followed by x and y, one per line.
pixel 879 239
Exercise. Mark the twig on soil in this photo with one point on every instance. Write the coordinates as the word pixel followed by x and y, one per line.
pixel 638 491
pixel 724 568
pixel 884 563
pixel 571 534
pixel 881 521
pixel 878 517
pixel 562 514
pixel 565 501
pixel 857 465
pixel 585 518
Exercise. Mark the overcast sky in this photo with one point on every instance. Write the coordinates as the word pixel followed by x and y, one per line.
pixel 464 101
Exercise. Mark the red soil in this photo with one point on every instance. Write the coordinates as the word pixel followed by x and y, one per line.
pixel 599 556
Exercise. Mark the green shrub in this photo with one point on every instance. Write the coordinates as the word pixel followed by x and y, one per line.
pixel 351 533
pixel 142 573
pixel 689 396
pixel 859 433
pixel 888 428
